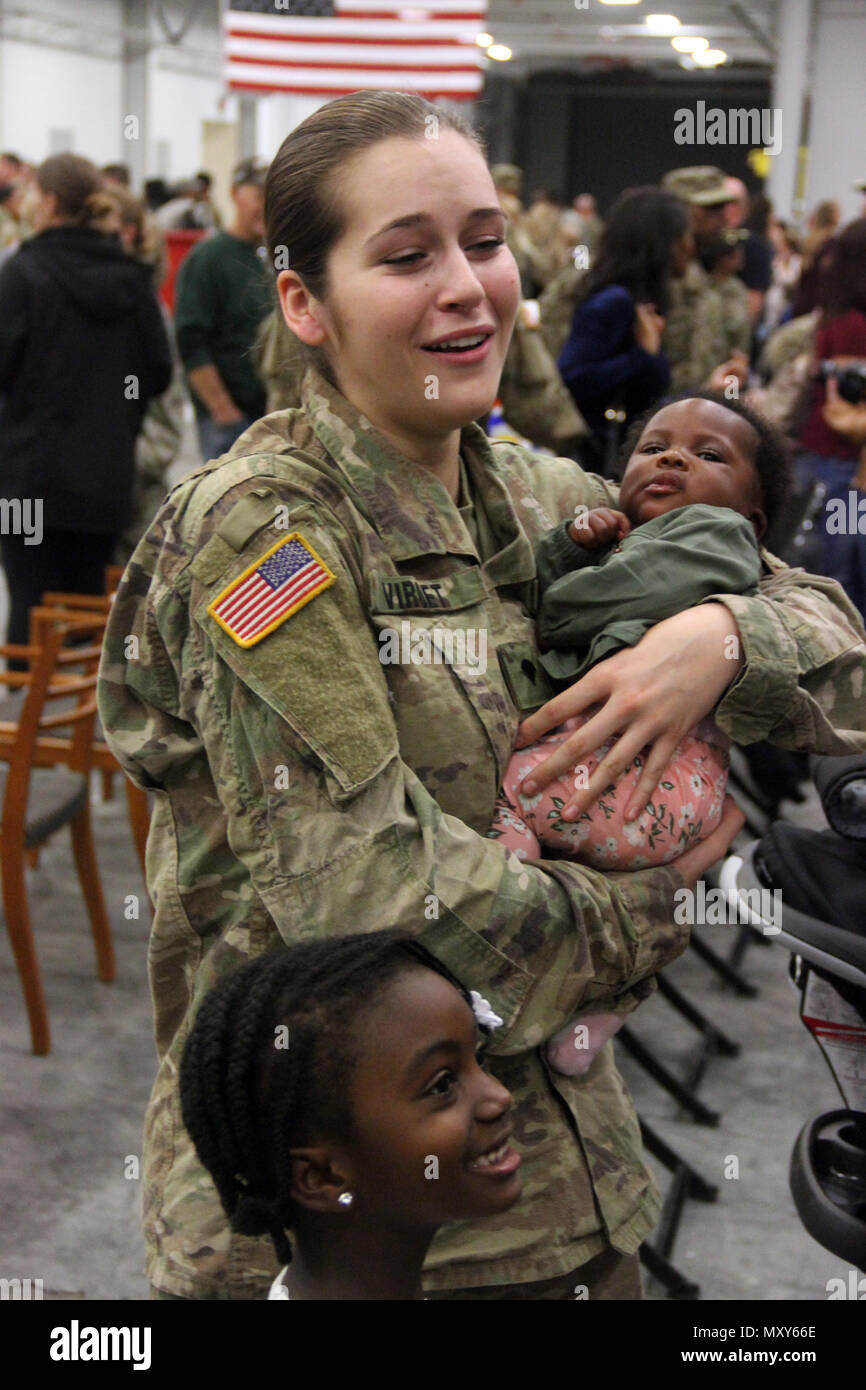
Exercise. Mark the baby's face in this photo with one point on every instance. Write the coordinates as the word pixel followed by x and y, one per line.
pixel 693 451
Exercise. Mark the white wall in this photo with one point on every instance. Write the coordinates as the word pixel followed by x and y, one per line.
pixel 43 88
pixel 837 144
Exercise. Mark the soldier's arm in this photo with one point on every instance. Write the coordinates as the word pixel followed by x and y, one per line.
pixel 803 683
pixel 336 831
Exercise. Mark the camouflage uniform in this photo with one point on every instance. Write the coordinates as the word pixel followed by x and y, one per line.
pixel 694 337
pixel 556 303
pixel 735 311
pixel 535 400
pixel 280 361
pixel 157 445
pixel 392 774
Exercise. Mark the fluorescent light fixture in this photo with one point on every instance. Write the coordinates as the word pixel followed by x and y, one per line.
pixel 710 58
pixel 499 51
pixel 683 44
pixel 484 40
pixel 662 23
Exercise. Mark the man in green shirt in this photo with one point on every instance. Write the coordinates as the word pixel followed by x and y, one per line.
pixel 223 293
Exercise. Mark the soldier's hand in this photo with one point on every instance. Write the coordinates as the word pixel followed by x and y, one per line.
pixel 737 366
pixel 600 526
pixel 648 328
pixel 649 695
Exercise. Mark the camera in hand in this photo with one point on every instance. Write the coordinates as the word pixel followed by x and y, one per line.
pixel 850 379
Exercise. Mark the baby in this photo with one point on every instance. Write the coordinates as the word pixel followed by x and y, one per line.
pixel 699 490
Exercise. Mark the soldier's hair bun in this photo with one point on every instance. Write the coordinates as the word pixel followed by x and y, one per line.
pixel 267 1065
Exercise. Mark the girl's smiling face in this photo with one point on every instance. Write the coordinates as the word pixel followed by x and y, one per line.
pixel 431 1126
pixel 693 451
pixel 422 260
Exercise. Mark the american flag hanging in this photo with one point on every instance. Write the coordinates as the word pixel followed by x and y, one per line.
pixel 327 47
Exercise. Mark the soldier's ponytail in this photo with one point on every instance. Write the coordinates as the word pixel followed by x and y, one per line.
pixel 75 182
pixel 268 1062
pixel 304 217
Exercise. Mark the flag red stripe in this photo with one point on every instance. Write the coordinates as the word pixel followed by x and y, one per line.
pixel 262 598
pixel 284 598
pixel 430 92
pixel 259 597
pixel 356 66
pixel 240 597
pixel 322 38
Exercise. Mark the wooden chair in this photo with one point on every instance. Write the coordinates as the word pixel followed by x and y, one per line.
pixel 104 761
pixel 62 672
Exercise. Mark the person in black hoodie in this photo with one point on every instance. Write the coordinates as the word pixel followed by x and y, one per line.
pixel 82 351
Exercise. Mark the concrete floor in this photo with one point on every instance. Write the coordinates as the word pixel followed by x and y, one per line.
pixel 71 1122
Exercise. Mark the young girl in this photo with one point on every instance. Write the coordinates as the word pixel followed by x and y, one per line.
pixel 339 1087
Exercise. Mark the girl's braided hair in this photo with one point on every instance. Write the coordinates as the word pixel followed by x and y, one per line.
pixel 268 1060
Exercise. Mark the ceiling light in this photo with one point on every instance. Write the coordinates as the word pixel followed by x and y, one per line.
pixel 710 58
pixel 484 40
pixel 499 51
pixel 686 45
pixel 662 23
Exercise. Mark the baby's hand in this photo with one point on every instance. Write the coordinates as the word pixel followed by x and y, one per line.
pixel 599 527
pixel 573 1050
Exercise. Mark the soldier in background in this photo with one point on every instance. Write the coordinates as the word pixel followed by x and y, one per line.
pixel 722 260
pixel 695 337
pixel 591 225
pixel 508 182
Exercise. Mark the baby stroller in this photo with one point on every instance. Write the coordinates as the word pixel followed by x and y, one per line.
pixel 821 877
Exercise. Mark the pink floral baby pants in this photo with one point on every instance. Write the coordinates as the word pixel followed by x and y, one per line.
pixel 684 808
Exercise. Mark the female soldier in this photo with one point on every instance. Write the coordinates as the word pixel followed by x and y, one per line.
pixel 274 672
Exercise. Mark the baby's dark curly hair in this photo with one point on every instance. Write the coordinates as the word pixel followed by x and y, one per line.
pixel 772 460
pixel 268 1061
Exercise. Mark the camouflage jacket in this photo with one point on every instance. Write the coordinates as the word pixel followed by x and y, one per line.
pixel 556 303
pixel 735 308
pixel 694 337
pixel 302 786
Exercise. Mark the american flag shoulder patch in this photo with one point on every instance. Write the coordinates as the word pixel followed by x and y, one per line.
pixel 279 583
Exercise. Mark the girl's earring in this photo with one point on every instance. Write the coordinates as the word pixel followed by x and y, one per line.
pixel 346 1199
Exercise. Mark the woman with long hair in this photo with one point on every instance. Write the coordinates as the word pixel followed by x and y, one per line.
pixel 613 362
pixel 336 643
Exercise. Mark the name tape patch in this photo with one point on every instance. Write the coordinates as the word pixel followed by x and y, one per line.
pixel 285 578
